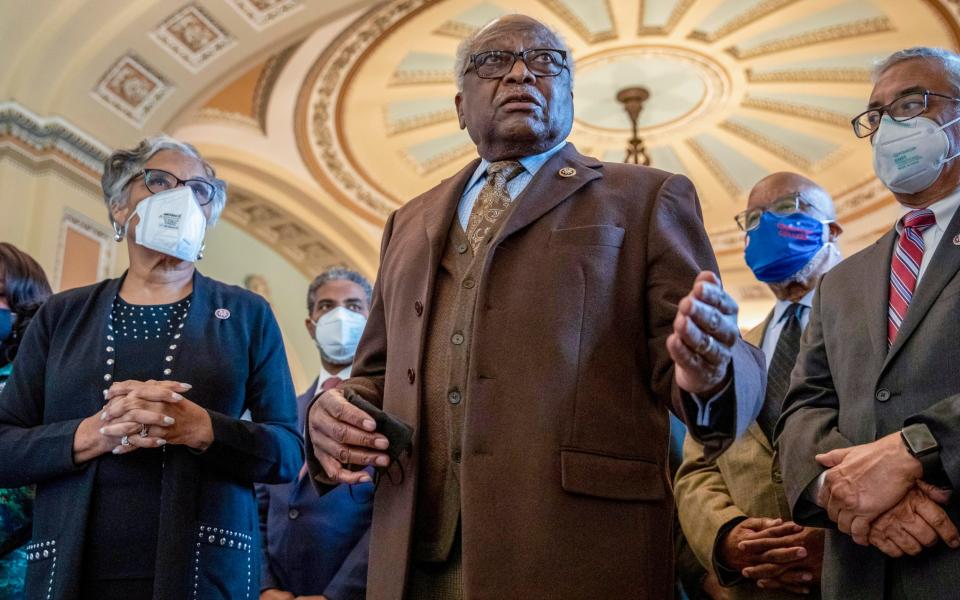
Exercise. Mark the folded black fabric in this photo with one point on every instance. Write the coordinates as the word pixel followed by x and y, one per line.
pixel 398 433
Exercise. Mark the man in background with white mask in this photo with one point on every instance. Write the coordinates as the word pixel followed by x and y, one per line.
pixel 869 438
pixel 317 547
pixel 732 507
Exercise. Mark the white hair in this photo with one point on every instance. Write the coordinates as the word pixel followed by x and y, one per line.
pixel 950 62
pixel 466 47
pixel 123 165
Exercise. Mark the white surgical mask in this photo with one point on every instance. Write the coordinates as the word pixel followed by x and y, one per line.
pixel 909 156
pixel 337 334
pixel 173 223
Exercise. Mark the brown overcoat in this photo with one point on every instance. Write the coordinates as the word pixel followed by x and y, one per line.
pixel 565 489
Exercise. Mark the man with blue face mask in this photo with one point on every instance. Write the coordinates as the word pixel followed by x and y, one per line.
pixel 732 507
pixel 869 438
pixel 316 547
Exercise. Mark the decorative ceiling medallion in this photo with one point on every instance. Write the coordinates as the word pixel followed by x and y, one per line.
pixel 263 13
pixel 131 89
pixel 192 37
pixel 687 84
pixel 774 90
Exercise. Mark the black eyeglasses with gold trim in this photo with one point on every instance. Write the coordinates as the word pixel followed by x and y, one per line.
pixel 542 62
pixel 158 180
pixel 783 206
pixel 906 107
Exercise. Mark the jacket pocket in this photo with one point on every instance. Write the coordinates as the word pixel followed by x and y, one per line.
pixel 611 477
pixel 41 568
pixel 591 235
pixel 223 565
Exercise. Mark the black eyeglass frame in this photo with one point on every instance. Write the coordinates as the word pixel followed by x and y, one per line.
pixel 213 186
pixel 798 200
pixel 522 55
pixel 885 109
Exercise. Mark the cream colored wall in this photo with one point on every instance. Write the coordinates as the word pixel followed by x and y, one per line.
pixel 32 207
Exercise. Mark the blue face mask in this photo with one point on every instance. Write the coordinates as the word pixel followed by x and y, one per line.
pixel 782 245
pixel 6 324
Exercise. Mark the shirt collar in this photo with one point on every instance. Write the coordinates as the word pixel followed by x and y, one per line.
pixel 943 210
pixel 531 164
pixel 782 305
pixel 325 375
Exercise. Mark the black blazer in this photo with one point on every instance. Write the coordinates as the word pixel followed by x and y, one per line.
pixel 232 353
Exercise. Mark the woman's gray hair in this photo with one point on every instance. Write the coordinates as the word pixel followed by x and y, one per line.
pixel 123 165
pixel 950 62
pixel 465 49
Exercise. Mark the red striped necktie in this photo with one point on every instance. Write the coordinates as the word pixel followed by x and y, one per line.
pixel 905 267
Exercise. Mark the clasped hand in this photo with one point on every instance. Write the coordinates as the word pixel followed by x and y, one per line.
pixel 874 493
pixel 153 413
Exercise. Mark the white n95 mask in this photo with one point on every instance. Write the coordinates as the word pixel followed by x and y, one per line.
pixel 337 334
pixel 909 156
pixel 173 223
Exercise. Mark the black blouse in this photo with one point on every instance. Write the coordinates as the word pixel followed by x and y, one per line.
pixel 125 505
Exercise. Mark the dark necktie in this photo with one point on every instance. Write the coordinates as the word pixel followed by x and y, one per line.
pixel 778 375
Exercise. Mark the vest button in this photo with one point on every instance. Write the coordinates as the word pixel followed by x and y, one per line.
pixel 418 307
pixel 462 248
pixel 469 283
pixel 294 513
pixel 776 476
pixel 457 339
pixel 883 394
pixel 411 376
pixel 454 397
pixel 456 456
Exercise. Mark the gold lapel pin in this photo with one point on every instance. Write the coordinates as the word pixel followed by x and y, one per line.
pixel 956 240
pixel 568 172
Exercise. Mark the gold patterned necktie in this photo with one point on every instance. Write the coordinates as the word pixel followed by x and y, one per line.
pixel 492 202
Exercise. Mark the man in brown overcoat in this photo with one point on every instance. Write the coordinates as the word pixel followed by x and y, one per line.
pixel 534 318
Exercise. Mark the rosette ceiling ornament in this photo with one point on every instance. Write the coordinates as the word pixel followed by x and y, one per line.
pixel 738 89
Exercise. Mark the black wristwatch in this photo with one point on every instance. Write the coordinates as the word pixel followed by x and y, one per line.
pixel 924 447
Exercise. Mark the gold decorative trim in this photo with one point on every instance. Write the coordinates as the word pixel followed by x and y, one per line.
pixel 575 23
pixel 775 147
pixel 211 113
pixel 425 120
pixel 418 77
pixel 740 21
pixel 266 82
pixel 817 36
pixel 715 168
pixel 464 149
pixel 826 75
pixel 455 30
pixel 679 10
pixel 800 110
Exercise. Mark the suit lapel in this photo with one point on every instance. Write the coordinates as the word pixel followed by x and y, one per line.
pixel 439 211
pixel 875 287
pixel 941 270
pixel 755 336
pixel 548 188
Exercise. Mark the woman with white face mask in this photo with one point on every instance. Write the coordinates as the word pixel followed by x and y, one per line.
pixel 125 406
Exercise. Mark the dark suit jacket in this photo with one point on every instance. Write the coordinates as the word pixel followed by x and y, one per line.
pixel 847 389
pixel 315 544
pixel 208 515
pixel 564 481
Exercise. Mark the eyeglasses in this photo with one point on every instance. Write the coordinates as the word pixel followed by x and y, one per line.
pixel 158 180
pixel 906 107
pixel 542 62
pixel 749 219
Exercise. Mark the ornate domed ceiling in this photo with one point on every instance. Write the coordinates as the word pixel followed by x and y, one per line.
pixel 738 89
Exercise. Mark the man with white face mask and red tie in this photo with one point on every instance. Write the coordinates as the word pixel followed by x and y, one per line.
pixel 869 436
pixel 316 547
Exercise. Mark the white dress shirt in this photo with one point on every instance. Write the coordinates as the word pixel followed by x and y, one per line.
pixel 943 212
